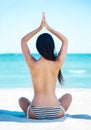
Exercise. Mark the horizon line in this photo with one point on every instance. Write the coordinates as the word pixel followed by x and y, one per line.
pixel 36 53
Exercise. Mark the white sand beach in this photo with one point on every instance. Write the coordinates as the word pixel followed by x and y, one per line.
pixel 78 115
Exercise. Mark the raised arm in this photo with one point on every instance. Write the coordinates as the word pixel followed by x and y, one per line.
pixel 63 49
pixel 28 57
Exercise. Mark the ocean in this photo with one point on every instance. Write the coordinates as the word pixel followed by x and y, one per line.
pixel 14 72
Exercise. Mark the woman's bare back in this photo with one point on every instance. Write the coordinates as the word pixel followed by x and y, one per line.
pixel 44 77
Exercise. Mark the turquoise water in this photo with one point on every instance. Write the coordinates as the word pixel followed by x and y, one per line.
pixel 14 72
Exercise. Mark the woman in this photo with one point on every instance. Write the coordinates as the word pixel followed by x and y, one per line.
pixel 44 73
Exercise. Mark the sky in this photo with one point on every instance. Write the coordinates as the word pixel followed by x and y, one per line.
pixel 70 17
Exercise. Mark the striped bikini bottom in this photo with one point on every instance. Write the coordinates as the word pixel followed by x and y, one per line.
pixel 45 112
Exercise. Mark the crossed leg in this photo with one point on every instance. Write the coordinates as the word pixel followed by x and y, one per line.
pixel 24 103
pixel 65 101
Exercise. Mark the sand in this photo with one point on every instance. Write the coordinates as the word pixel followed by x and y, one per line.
pixel 78 115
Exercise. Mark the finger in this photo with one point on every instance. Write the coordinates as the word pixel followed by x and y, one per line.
pixel 43 15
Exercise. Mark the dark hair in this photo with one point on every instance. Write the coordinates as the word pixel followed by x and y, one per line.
pixel 45 46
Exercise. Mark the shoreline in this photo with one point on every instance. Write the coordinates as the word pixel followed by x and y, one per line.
pixel 61 87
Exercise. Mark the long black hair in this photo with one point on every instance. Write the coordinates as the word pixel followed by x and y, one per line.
pixel 45 46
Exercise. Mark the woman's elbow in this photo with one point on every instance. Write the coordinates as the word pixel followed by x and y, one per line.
pixel 22 40
pixel 66 40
